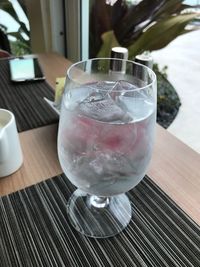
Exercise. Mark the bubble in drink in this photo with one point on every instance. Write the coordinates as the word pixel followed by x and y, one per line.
pixel 105 143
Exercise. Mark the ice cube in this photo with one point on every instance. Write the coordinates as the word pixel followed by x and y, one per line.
pixel 73 97
pixel 103 85
pixel 119 88
pixel 105 110
pixel 103 102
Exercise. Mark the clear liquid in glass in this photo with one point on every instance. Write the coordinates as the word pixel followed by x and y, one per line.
pixel 106 138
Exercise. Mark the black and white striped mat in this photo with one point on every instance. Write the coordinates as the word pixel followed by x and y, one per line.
pixel 34 231
pixel 25 100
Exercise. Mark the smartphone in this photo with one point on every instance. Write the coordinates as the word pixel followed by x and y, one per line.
pixel 24 69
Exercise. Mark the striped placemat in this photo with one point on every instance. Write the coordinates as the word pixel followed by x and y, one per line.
pixel 34 231
pixel 25 100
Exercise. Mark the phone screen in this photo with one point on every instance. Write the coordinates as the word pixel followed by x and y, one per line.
pixel 25 69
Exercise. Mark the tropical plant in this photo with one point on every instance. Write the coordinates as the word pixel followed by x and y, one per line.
pixel 22 44
pixel 147 25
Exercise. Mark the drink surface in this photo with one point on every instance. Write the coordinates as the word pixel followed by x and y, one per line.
pixel 106 137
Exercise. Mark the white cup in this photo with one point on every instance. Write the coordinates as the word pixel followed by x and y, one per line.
pixel 10 150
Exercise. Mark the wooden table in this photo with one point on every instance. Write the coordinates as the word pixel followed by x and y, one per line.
pixel 174 167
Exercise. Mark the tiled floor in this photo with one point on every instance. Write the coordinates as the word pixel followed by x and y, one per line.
pixel 182 56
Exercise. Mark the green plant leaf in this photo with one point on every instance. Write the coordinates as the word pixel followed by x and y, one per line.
pixel 160 34
pixel 23 6
pixel 136 19
pixel 18 36
pixel 24 28
pixel 8 7
pixel 169 8
pixel 109 41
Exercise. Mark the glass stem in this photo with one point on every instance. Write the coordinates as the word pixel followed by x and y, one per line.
pixel 98 202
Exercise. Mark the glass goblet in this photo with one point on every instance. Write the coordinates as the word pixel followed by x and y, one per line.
pixel 105 140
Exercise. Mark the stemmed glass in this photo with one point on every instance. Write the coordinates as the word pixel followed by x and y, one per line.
pixel 105 140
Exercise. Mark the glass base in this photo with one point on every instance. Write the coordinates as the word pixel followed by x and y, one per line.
pixel 99 217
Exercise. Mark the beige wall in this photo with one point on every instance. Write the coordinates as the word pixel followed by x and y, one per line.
pixel 40 26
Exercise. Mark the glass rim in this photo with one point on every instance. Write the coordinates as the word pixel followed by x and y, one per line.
pixel 149 70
